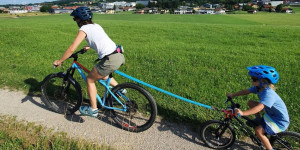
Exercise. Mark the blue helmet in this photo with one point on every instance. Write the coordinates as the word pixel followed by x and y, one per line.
pixel 262 71
pixel 84 13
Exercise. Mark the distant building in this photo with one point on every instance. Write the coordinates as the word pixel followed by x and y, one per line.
pixel 71 7
pixel 276 3
pixel 287 10
pixel 130 4
pixel 219 11
pixel 33 8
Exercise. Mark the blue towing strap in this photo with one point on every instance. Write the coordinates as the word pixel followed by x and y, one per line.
pixel 161 90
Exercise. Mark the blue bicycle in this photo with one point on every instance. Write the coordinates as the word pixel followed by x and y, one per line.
pixel 131 106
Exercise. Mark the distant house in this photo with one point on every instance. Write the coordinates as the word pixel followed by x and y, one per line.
pixel 204 10
pixel 219 11
pixel 183 11
pixel 109 11
pixel 287 10
pixel 129 9
pixel 71 7
pixel 275 3
pixel 3 9
pixel 54 7
pixel 164 11
pixel 268 8
pixel 131 4
pixel 295 3
pixel 140 11
pixel 120 4
pixel 18 11
pixel 32 8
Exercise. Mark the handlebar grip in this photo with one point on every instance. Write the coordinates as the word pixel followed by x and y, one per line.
pixel 238 114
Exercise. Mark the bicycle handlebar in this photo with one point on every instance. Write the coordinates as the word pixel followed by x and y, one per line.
pixel 233 105
pixel 75 55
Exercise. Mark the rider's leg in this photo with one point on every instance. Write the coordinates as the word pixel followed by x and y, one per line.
pixel 113 82
pixel 260 132
pixel 92 77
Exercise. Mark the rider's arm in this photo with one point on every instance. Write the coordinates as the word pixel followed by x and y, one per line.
pixel 252 111
pixel 243 92
pixel 80 36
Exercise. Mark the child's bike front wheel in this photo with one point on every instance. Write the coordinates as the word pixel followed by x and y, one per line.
pixel 61 94
pixel 141 109
pixel 218 135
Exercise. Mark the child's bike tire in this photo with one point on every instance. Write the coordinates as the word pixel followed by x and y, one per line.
pixel 209 131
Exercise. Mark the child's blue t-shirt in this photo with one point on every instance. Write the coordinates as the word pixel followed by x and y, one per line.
pixel 275 109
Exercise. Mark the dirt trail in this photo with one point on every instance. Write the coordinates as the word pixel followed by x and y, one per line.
pixel 162 135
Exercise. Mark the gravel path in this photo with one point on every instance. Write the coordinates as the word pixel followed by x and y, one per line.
pixel 161 136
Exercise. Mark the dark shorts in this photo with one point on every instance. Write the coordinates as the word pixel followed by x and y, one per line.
pixel 110 63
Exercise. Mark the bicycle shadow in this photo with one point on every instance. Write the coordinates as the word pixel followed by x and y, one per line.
pixel 191 132
pixel 34 91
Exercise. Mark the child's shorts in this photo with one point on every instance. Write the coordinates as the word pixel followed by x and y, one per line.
pixel 110 63
pixel 266 127
pixel 270 126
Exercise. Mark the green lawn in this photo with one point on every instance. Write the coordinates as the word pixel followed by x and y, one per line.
pixel 200 57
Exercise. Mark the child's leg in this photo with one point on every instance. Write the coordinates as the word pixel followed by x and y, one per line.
pixel 251 104
pixel 113 82
pixel 92 77
pixel 260 132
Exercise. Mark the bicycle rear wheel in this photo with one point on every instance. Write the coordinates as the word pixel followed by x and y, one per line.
pixel 286 141
pixel 141 107
pixel 61 95
pixel 215 134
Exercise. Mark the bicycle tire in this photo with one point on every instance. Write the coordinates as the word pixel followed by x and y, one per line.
pixel 286 140
pixel 142 109
pixel 61 96
pixel 208 136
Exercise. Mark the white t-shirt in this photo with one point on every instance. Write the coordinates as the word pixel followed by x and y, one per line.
pixel 98 40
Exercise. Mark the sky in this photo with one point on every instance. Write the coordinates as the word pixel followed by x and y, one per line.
pixel 4 2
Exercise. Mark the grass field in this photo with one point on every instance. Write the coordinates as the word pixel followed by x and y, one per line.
pixel 16 134
pixel 200 57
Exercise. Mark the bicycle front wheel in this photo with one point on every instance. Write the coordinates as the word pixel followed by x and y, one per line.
pixel 215 134
pixel 60 94
pixel 286 141
pixel 140 107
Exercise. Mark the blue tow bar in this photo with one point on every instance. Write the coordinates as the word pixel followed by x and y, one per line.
pixel 161 90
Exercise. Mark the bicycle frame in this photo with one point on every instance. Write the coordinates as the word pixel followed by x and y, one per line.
pixel 77 66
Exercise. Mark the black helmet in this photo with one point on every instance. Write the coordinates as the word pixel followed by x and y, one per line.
pixel 84 13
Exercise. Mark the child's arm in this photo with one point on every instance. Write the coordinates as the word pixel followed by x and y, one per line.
pixel 243 92
pixel 251 111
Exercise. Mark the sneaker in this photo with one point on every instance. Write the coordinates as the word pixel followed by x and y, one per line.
pixel 87 111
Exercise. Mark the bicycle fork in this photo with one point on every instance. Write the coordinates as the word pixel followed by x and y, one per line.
pixel 254 138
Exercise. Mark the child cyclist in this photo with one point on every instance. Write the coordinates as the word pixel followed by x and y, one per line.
pixel 276 118
pixel 108 52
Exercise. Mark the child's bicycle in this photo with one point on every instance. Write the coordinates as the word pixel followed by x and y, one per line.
pixel 219 134
pixel 131 106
